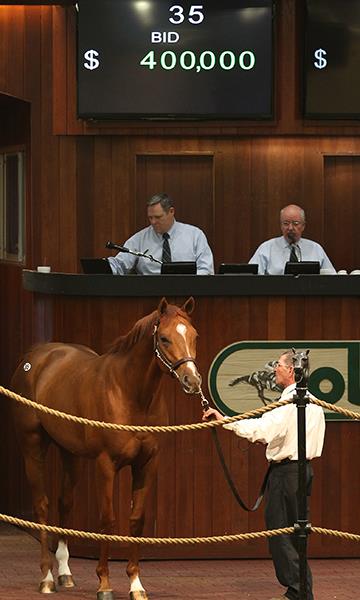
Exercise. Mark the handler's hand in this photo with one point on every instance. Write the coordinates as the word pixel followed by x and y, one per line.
pixel 211 414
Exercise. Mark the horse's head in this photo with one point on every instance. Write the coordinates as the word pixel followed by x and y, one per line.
pixel 301 365
pixel 175 343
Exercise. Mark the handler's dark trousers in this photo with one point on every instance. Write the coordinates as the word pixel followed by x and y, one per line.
pixel 281 511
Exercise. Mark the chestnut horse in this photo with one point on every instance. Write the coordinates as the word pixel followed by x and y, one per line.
pixel 118 387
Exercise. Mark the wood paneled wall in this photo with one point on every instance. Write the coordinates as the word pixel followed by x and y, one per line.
pixel 88 183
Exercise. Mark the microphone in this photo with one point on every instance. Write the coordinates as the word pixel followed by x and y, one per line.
pixel 291 237
pixel 113 246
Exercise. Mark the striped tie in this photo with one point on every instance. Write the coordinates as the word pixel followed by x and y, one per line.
pixel 293 256
pixel 166 253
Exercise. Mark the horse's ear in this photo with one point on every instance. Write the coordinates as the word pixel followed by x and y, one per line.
pixel 189 305
pixel 162 306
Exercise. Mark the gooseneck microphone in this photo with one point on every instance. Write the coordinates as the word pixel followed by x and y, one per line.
pixel 113 246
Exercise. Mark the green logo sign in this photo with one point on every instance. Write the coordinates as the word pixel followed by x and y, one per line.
pixel 241 376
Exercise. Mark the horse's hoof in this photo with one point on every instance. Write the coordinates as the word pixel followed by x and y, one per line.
pixel 139 595
pixel 109 595
pixel 47 587
pixel 66 581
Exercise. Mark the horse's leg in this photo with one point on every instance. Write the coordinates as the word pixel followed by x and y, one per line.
pixel 105 474
pixel 71 471
pixel 143 475
pixel 34 449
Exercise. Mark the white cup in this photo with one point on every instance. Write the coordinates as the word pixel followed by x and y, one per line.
pixel 342 272
pixel 326 272
pixel 43 269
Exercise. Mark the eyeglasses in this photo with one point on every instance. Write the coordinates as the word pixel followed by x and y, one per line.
pixel 294 223
pixel 277 364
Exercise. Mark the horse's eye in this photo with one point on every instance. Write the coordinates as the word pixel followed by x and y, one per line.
pixel 164 340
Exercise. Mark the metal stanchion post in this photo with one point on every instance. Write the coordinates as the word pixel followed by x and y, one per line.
pixel 302 525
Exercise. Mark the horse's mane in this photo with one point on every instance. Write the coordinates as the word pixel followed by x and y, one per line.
pixel 142 328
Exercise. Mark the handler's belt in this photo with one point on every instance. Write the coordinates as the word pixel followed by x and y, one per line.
pixel 285 461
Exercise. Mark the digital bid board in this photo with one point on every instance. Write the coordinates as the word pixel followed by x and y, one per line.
pixel 161 59
pixel 332 59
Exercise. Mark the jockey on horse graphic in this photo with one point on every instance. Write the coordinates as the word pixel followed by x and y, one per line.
pixel 262 380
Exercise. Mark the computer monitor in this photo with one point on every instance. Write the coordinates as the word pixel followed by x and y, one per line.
pixel 178 268
pixel 304 267
pixel 238 268
pixel 92 266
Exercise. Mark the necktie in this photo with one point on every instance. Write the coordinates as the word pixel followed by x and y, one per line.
pixel 293 256
pixel 166 253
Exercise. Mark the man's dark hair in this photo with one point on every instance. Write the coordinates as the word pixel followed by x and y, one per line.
pixel 163 199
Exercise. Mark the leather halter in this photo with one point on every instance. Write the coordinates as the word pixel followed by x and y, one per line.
pixel 164 359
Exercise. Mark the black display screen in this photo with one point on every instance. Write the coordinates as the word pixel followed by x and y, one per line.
pixel 164 59
pixel 332 59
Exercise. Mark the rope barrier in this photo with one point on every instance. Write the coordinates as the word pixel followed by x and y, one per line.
pixel 146 540
pixel 238 537
pixel 166 428
pixel 153 428
pixel 354 537
pixel 341 411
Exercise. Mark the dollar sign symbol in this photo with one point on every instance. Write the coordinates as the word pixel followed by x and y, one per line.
pixel 93 62
pixel 321 61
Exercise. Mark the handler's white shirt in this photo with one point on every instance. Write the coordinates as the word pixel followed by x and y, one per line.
pixel 278 429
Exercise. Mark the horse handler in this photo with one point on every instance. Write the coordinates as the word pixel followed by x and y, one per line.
pixel 278 430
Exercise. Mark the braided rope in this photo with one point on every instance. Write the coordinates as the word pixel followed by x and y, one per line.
pixel 146 540
pixel 342 411
pixel 154 428
pixel 166 428
pixel 238 537
pixel 354 537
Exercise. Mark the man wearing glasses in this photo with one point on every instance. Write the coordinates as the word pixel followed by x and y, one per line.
pixel 277 429
pixel 272 255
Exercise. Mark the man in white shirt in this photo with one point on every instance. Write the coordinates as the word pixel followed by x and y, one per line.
pixel 272 255
pixel 278 430
pixel 183 243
